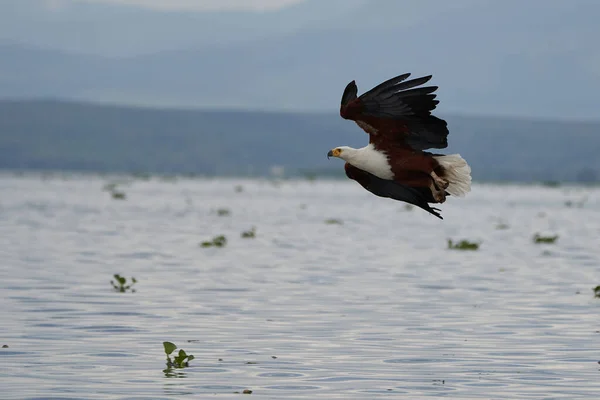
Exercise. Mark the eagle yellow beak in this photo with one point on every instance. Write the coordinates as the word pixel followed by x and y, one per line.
pixel 334 153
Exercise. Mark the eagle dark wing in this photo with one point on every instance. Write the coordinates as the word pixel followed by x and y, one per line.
pixel 393 190
pixel 397 110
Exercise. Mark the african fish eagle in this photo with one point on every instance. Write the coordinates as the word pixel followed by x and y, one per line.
pixel 397 116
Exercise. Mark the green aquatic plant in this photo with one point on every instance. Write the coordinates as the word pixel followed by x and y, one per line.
pixel 121 284
pixel 168 178
pixel 217 241
pixel 551 184
pixel 251 234
pixel 537 238
pixel 143 176
pixel 576 204
pixel 333 221
pixel 110 186
pixel 597 291
pixel 310 176
pixel 118 195
pixel 463 245
pixel 223 212
pixel 181 360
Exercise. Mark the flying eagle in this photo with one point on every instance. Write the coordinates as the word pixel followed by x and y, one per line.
pixel 397 116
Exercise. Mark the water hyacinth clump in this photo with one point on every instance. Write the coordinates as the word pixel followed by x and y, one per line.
pixel 217 241
pixel 223 212
pixel 118 195
pixel 250 234
pixel 463 245
pixel 120 284
pixel 537 238
pixel 181 360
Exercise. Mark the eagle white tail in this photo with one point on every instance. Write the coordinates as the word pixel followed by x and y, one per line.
pixel 457 172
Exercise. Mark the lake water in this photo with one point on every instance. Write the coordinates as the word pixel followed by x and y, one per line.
pixel 374 307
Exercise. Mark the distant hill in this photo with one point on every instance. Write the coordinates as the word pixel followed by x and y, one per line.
pixel 57 135
pixel 489 57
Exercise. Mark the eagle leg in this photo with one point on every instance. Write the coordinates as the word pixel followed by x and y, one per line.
pixel 440 183
pixel 439 195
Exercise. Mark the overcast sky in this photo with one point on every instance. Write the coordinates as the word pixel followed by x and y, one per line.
pixel 198 4
pixel 510 57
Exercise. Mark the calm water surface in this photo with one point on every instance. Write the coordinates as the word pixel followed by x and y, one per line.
pixel 376 307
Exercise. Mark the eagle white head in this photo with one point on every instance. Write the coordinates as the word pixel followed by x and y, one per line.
pixel 366 158
pixel 343 152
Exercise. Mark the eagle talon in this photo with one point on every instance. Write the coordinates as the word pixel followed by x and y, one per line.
pixel 440 183
pixel 439 195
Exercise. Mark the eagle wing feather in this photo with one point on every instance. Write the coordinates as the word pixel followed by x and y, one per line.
pixel 397 111
pixel 417 196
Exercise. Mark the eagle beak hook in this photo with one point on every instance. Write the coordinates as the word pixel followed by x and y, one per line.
pixel 330 154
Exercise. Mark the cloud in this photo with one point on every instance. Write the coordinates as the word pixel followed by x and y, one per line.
pixel 204 5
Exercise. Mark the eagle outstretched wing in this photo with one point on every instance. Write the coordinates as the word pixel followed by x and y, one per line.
pixel 417 196
pixel 397 110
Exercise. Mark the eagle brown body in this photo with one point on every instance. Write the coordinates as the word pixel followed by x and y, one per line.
pixel 397 116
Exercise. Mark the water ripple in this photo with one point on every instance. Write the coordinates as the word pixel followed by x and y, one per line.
pixel 375 307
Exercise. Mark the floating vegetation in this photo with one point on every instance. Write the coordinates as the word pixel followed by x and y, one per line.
pixel 463 245
pixel 537 238
pixel 109 187
pixel 333 221
pixel 168 178
pixel 551 184
pixel 223 212
pixel 5 346
pixel 596 293
pixel 117 195
pixel 251 234
pixel 217 241
pixel 143 176
pixel 502 226
pixel 576 204
pixel 239 188
pixel 181 360
pixel 121 284
pixel 245 391
pixel 310 176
